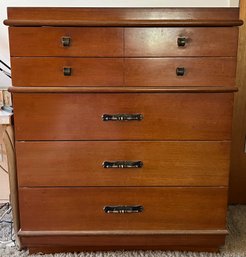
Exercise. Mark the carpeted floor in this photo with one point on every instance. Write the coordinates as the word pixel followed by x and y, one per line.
pixel 235 244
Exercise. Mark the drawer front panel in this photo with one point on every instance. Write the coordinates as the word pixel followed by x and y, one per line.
pixel 67 72
pixel 164 41
pixel 66 41
pixel 163 163
pixel 180 71
pixel 64 116
pixel 83 208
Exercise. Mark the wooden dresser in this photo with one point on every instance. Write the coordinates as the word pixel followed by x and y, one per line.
pixel 123 126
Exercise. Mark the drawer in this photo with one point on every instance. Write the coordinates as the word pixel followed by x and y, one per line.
pixel 119 72
pixel 90 163
pixel 197 41
pixel 67 71
pixel 66 41
pixel 153 116
pixel 205 71
pixel 161 208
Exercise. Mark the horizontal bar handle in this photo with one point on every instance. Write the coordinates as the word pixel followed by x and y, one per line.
pixel 122 117
pixel 123 209
pixel 122 164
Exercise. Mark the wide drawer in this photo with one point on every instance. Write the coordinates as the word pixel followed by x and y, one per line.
pixel 197 41
pixel 167 116
pixel 180 71
pixel 118 163
pixel 123 72
pixel 111 42
pixel 67 71
pixel 66 41
pixel 84 208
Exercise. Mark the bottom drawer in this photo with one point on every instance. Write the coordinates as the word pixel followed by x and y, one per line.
pixel 176 208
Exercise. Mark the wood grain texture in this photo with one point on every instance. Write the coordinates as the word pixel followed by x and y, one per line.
pixel 166 116
pixel 46 41
pixel 99 233
pixel 163 42
pixel 102 90
pixel 85 71
pixel 123 72
pixel 162 72
pixel 164 163
pixel 123 61
pixel 185 242
pixel 122 16
pixel 164 208
pixel 125 23
pixel 110 42
pixel 237 193
pixel 196 240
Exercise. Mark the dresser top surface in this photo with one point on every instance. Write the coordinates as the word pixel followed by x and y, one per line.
pixel 54 16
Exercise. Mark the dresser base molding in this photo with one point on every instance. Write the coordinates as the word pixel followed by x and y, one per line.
pixel 53 250
pixel 70 241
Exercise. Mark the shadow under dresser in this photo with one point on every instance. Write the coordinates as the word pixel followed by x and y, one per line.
pixel 122 123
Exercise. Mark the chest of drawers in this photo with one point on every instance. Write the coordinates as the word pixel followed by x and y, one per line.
pixel 123 126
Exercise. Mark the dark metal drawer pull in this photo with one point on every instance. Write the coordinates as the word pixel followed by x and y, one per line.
pixel 123 209
pixel 67 71
pixel 181 41
pixel 180 71
pixel 122 117
pixel 66 41
pixel 122 164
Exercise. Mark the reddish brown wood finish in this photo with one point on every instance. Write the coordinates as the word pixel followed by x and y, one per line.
pixel 49 250
pixel 214 16
pixel 185 242
pixel 237 193
pixel 108 42
pixel 164 163
pixel 163 42
pixel 103 90
pixel 63 187
pixel 189 232
pixel 82 208
pixel 162 72
pixel 46 41
pixel 110 72
pixel 166 116
pixel 124 23
pixel 85 71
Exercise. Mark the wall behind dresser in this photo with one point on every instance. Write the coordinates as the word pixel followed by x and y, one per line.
pixel 4 49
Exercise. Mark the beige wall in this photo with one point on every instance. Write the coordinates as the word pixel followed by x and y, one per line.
pixel 234 3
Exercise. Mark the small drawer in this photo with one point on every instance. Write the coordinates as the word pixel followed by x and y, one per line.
pixel 57 72
pixel 138 116
pixel 122 208
pixel 205 71
pixel 119 163
pixel 181 41
pixel 66 41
